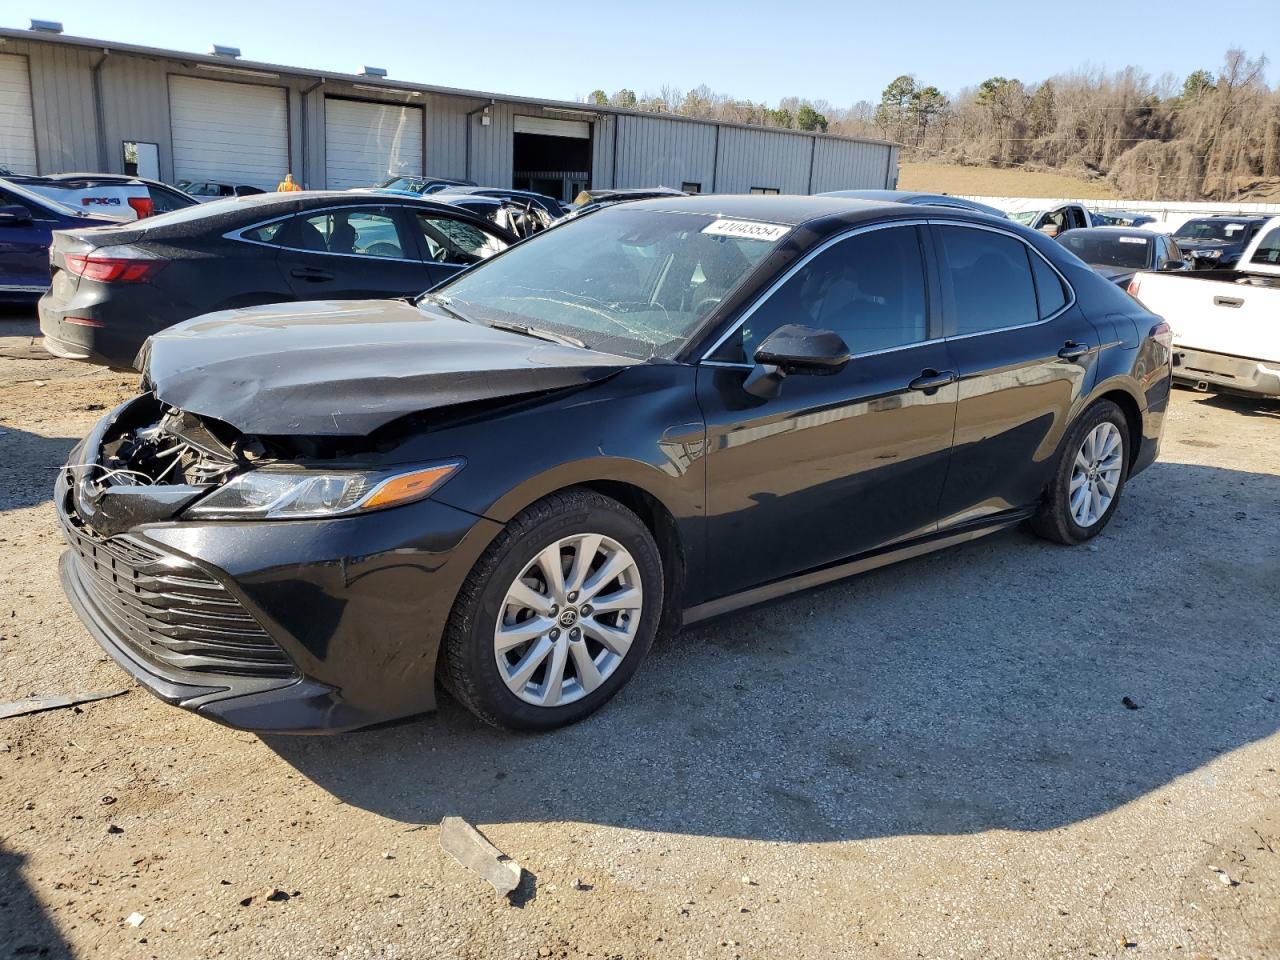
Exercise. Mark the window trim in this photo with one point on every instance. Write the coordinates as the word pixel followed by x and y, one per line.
pixel 1071 298
pixel 799 265
pixel 393 212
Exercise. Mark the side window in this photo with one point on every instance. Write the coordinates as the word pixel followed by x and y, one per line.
pixel 989 279
pixel 1050 293
pixel 365 232
pixel 165 202
pixel 267 233
pixel 1268 251
pixel 452 241
pixel 870 289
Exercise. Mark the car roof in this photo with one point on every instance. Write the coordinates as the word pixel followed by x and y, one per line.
pixel 790 209
pixel 1114 228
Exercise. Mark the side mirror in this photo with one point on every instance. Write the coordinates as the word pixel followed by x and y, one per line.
pixel 794 349
pixel 14 215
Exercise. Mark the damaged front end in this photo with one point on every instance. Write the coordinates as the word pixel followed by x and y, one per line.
pixel 146 462
pixel 180 571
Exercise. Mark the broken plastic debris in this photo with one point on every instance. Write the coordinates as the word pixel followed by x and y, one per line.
pixel 469 847
pixel 135 919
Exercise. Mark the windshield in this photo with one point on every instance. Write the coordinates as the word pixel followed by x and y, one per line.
pixel 1025 217
pixel 1227 230
pixel 1107 249
pixel 624 281
pixel 407 184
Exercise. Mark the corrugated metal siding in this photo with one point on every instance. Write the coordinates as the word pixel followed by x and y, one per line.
pixel 763 158
pixel 447 135
pixel 602 134
pixel 66 129
pixel 653 152
pixel 135 106
pixel 650 149
pixel 844 165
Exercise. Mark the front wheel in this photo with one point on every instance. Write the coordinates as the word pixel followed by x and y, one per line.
pixel 1090 474
pixel 556 615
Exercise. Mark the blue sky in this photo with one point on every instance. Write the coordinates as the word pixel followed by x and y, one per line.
pixel 840 52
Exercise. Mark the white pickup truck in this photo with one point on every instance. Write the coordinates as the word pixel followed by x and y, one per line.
pixel 1226 323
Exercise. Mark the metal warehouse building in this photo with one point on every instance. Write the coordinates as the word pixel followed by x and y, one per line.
pixel 72 104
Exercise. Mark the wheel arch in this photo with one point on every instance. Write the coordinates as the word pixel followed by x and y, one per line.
pixel 1124 397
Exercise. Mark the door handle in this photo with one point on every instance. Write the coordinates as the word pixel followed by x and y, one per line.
pixel 1228 302
pixel 1073 350
pixel 310 273
pixel 932 379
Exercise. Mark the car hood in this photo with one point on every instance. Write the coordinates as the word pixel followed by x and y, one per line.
pixel 1187 244
pixel 345 368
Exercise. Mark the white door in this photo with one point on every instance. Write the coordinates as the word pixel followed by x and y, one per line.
pixel 366 143
pixel 236 133
pixel 578 129
pixel 17 130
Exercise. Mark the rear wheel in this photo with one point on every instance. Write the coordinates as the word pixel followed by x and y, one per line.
pixel 1089 477
pixel 556 615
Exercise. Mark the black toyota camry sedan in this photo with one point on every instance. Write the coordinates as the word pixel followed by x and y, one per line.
pixel 112 287
pixel 665 411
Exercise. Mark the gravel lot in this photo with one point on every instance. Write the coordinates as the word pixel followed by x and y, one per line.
pixel 930 761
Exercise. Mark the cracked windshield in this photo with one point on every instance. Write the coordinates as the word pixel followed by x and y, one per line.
pixel 630 282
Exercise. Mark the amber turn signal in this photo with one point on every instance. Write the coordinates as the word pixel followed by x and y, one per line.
pixel 408 486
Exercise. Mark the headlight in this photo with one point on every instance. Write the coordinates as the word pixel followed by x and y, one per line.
pixel 1209 254
pixel 274 493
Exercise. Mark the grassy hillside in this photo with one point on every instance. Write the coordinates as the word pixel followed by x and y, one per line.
pixel 991 182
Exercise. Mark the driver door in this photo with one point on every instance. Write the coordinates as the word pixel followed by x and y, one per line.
pixel 838 465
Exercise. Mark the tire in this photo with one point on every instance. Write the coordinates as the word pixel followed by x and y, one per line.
pixel 563 525
pixel 1058 518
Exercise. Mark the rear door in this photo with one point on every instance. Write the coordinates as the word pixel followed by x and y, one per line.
pixel 352 252
pixel 1024 353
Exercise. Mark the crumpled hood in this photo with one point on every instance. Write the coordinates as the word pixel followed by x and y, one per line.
pixel 347 367
pixel 1188 245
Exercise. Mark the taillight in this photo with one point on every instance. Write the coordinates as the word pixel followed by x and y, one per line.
pixel 1162 333
pixel 142 206
pixel 1134 285
pixel 112 269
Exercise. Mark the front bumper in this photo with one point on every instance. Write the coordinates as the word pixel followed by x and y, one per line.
pixel 1204 369
pixel 276 626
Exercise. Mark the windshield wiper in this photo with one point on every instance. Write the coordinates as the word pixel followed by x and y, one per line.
pixel 447 304
pixel 529 331
pixel 538 332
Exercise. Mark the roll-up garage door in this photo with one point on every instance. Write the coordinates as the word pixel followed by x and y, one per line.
pixel 365 143
pixel 17 131
pixel 235 133
pixel 578 129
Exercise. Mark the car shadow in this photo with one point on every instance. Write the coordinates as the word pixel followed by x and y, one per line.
pixel 1008 684
pixel 28 465
pixel 1268 407
pixel 25 929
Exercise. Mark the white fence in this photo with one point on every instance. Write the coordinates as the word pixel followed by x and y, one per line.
pixel 1169 214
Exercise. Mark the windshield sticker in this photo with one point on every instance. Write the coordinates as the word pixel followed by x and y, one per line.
pixel 1141 240
pixel 747 230
pixel 1233 227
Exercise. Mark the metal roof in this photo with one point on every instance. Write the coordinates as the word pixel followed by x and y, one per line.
pixel 393 86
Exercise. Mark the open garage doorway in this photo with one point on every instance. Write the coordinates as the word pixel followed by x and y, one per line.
pixel 552 156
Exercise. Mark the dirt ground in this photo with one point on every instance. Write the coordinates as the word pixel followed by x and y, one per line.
pixel 934 760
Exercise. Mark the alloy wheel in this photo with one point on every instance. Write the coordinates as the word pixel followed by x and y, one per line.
pixel 1095 475
pixel 568 620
